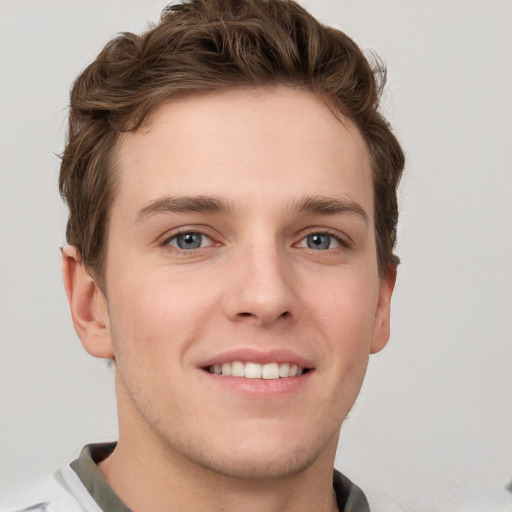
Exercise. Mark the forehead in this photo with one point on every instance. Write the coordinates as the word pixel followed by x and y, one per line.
pixel 273 145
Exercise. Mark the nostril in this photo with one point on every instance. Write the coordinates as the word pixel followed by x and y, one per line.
pixel 247 314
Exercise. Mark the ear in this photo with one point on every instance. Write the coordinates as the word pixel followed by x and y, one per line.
pixel 381 326
pixel 88 305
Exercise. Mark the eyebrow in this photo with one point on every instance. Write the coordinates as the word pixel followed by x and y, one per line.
pixel 184 204
pixel 321 205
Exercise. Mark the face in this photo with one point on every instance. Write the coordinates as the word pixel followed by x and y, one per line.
pixel 242 294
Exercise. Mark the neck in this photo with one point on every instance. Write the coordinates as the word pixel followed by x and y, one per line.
pixel 147 474
pixel 146 484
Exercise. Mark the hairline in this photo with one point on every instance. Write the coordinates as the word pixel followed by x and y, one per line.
pixel 113 162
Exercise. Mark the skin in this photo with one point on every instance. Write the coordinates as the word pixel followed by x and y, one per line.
pixel 257 282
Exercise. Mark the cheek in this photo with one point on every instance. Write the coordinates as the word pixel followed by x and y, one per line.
pixel 344 316
pixel 158 316
pixel 345 307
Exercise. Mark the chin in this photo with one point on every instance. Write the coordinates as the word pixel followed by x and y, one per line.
pixel 259 454
pixel 260 466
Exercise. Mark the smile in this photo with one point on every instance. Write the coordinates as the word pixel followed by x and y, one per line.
pixel 250 370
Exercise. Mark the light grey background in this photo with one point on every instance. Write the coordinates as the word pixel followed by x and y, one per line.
pixel 437 402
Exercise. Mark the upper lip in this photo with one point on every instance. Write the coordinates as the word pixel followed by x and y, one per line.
pixel 260 356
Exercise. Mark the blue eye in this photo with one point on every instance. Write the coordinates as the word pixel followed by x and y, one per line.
pixel 190 240
pixel 319 241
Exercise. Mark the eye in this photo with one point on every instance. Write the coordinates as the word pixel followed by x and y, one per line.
pixel 189 240
pixel 320 241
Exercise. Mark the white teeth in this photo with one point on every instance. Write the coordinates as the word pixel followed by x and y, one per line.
pixel 237 369
pixel 270 371
pixel 284 370
pixel 252 370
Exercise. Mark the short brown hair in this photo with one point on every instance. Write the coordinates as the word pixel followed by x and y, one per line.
pixel 203 45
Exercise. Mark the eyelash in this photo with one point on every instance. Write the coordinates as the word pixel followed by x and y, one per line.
pixel 342 241
pixel 166 243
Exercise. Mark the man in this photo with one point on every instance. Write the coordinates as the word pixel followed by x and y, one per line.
pixel 232 212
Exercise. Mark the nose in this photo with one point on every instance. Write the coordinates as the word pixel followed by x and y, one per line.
pixel 261 287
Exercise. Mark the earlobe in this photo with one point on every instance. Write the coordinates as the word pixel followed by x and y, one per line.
pixel 381 328
pixel 87 304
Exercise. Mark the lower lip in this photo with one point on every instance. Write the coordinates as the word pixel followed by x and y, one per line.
pixel 260 388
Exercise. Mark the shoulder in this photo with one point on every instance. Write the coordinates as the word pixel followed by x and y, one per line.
pixel 349 496
pixel 60 492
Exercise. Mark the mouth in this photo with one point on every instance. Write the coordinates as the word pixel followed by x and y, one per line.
pixel 252 370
